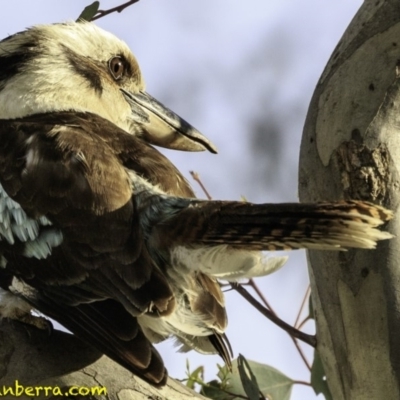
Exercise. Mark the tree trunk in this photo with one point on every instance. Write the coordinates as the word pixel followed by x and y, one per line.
pixel 351 150
pixel 35 358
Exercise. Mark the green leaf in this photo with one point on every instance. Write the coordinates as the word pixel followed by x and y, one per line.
pixel 318 378
pixel 271 382
pixel 310 308
pixel 214 390
pixel 249 381
pixel 194 377
pixel 89 12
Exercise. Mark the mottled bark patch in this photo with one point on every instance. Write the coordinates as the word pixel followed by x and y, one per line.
pixel 365 173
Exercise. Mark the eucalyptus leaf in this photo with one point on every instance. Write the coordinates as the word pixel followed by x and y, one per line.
pixel 249 381
pixel 214 391
pixel 89 12
pixel 310 308
pixel 271 382
pixel 318 378
pixel 194 377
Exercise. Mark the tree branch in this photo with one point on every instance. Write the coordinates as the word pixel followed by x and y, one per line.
pixel 34 358
pixel 309 339
pixel 120 8
pixel 351 149
pixel 196 177
pixel 255 287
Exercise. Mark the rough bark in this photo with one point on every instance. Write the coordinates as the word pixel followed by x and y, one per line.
pixel 351 149
pixel 38 358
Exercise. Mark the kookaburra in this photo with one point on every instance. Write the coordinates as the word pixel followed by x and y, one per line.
pixel 99 231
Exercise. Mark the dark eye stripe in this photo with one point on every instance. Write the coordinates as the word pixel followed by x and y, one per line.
pixel 14 62
pixel 84 66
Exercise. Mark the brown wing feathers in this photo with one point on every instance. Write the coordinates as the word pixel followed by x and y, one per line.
pixel 107 326
pixel 67 176
pixel 75 160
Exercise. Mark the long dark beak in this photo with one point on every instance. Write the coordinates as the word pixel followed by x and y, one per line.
pixel 164 128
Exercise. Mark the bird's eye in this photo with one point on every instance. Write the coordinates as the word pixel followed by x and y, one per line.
pixel 116 65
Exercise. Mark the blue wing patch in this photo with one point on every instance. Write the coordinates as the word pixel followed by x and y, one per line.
pixel 16 225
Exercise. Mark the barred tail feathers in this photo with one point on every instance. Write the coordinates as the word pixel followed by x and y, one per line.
pixel 322 226
pixel 224 239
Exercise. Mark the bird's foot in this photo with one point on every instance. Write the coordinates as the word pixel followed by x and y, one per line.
pixel 38 322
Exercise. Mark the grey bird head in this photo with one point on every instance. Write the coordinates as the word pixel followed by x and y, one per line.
pixel 80 67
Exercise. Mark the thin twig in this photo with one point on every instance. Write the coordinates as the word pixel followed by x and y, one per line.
pixel 302 383
pixel 265 301
pixel 305 337
pixel 103 13
pixel 302 323
pixel 300 351
pixel 260 295
pixel 302 305
pixel 295 342
pixel 298 326
pixel 196 177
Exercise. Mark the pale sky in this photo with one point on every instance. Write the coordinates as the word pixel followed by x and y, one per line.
pixel 228 66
